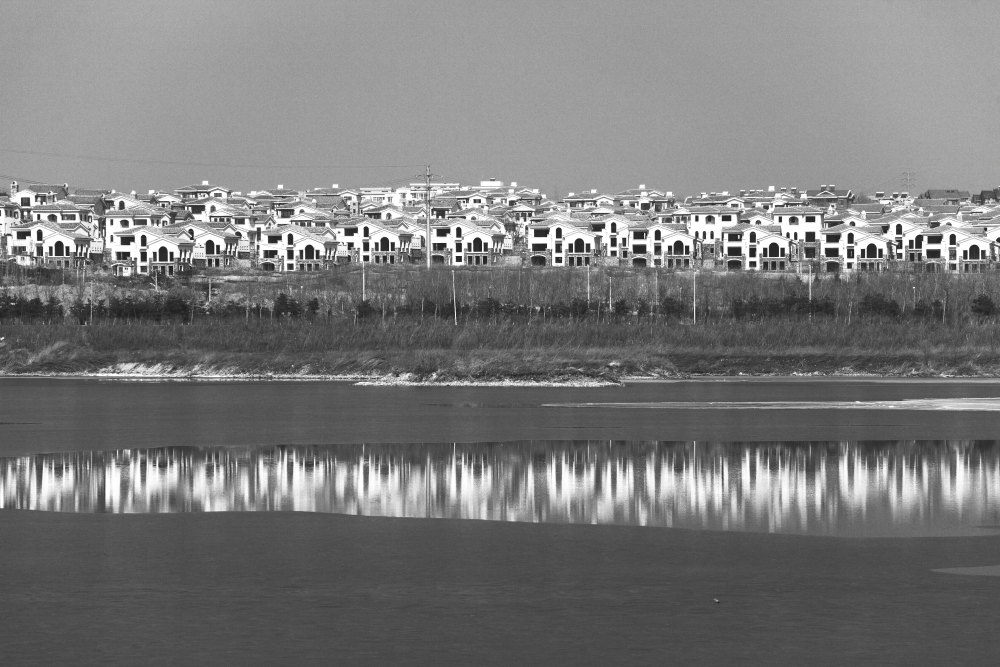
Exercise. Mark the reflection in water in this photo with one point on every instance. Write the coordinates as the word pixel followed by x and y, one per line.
pixel 901 488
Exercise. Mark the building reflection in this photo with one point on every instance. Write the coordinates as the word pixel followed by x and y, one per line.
pixel 826 488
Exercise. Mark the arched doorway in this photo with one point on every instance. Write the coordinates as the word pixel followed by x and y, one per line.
pixel 734 265
pixel 538 260
pixel 833 267
pixel 638 261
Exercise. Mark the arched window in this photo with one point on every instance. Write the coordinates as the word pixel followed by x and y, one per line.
pixel 558 232
pixel 773 250
pixel 211 209
pixel 974 252
pixel 578 246
pixel 121 205
pixel 477 245
pixel 678 248
pixel 210 247
pixel 753 237
pixel 57 249
pixel 710 219
pixel 899 230
pixel 383 244
pixel 191 234
pixel 794 220
pixel 142 240
pixel 656 235
pixel 38 235
pixel 872 251
pixel 364 232
pixel 951 239
pixel 458 232
pixel 162 254
pixel 850 238
pixel 53 217
pixel 291 239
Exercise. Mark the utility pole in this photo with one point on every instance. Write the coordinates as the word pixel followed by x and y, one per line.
pixel 427 213
pixel 908 179
pixel 694 297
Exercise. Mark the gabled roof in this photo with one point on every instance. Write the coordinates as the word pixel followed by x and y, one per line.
pixel 60 189
pixel 202 188
pixel 798 210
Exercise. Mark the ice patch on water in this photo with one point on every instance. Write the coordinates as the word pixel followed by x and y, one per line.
pixel 963 404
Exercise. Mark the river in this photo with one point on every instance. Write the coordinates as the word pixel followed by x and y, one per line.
pixel 829 520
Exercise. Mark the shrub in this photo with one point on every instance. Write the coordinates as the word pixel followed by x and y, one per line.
pixel 983 306
pixel 876 305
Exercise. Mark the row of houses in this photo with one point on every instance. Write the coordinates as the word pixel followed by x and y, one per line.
pixel 207 226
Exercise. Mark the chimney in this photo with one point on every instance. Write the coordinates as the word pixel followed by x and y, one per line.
pixel 151 192
pixel 642 186
pixel 204 182
pixel 593 191
pixel 832 187
pixel 334 186
pixel 513 184
pixel 770 188
pixel 13 187
pixel 280 186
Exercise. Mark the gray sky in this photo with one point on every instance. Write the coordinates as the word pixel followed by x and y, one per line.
pixel 684 95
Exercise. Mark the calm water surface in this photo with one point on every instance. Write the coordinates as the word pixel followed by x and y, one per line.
pixel 259 522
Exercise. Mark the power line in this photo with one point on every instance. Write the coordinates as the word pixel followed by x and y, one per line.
pixel 180 163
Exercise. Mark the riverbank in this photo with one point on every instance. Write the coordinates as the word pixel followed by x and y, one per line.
pixel 541 367
pixel 410 350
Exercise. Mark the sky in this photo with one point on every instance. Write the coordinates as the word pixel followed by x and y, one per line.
pixel 686 95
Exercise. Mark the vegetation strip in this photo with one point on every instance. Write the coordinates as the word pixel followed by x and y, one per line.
pixel 506 325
